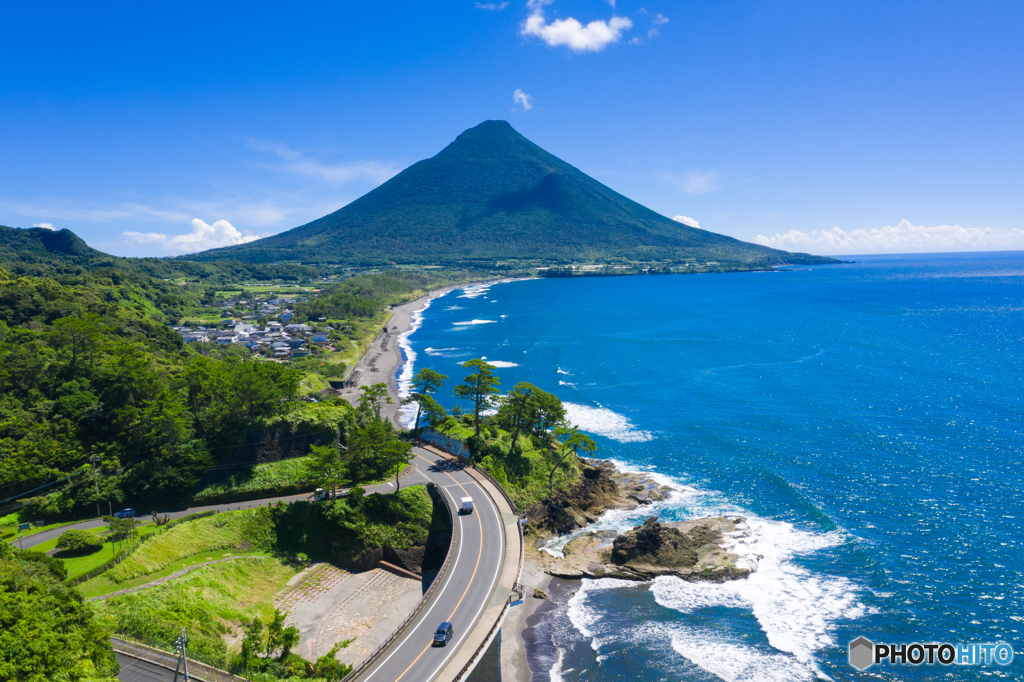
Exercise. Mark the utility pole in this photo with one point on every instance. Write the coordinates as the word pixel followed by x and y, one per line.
pixel 92 458
pixel 179 646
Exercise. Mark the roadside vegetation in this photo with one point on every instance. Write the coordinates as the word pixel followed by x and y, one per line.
pixel 527 444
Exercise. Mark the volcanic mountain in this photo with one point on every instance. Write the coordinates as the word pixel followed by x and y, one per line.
pixel 494 195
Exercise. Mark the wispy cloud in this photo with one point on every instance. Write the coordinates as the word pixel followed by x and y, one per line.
pixel 201 237
pixel 45 226
pixel 694 182
pixel 570 33
pixel 492 6
pixel 686 220
pixel 902 238
pixel 293 161
pixel 522 99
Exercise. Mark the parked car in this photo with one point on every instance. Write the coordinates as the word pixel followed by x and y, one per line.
pixel 125 513
pixel 444 634
pixel 467 506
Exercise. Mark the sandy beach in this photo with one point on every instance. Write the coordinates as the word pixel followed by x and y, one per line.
pixel 384 358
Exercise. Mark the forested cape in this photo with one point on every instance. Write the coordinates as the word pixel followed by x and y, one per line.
pixel 89 371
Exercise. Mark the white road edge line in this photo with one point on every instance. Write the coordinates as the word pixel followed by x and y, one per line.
pixel 423 617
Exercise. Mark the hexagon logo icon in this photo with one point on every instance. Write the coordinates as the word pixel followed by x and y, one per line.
pixel 862 653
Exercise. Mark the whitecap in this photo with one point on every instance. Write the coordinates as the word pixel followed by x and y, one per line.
pixel 473 322
pixel 562 371
pixel 407 414
pixel 438 351
pixel 735 662
pixel 604 422
pixel 502 363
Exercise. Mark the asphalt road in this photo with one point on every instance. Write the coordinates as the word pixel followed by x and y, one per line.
pixel 413 478
pixel 467 586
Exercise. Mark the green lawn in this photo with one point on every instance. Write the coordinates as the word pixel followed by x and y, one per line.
pixel 102 584
pixel 214 601
pixel 80 565
pixel 229 530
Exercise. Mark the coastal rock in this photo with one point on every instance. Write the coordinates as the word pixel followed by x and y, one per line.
pixel 539 593
pixel 692 550
pixel 601 488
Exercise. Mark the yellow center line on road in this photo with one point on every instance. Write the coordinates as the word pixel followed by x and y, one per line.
pixel 479 553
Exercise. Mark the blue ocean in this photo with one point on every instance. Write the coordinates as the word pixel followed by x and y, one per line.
pixel 865 418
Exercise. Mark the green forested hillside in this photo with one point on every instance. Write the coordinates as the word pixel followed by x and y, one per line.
pixel 87 368
pixel 47 253
pixel 494 195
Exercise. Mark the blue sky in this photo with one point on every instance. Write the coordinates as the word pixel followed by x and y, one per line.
pixel 831 127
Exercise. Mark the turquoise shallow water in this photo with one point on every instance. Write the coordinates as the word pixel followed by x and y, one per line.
pixel 866 418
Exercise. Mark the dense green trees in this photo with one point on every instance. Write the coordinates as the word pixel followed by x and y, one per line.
pixel 47 632
pixel 375 448
pixel 85 372
pixel 528 408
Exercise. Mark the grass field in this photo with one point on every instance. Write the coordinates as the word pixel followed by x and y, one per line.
pixel 102 584
pixel 221 531
pixel 213 601
pixel 267 477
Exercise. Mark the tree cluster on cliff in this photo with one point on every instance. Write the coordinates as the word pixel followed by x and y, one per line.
pixel 522 438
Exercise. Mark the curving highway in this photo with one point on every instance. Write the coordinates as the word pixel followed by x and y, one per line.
pixel 466 587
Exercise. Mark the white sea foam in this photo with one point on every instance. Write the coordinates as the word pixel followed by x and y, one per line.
pixel 555 674
pixel 604 422
pixel 438 351
pixel 566 383
pixel 583 616
pixel 476 290
pixel 455 307
pixel 562 371
pixel 473 322
pixel 735 662
pixel 795 608
pixel 407 414
pixel 502 363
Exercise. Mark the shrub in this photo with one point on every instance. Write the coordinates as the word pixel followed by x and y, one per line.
pixel 79 542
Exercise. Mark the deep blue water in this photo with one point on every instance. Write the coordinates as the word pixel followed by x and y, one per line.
pixel 865 417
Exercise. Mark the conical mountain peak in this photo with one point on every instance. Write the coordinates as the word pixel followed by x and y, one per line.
pixel 494 195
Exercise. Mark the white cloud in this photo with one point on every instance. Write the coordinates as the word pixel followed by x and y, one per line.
pixel 333 174
pixel 686 220
pixel 492 6
pixel 522 99
pixel 903 238
pixel 593 37
pixel 659 19
pixel 45 226
pixel 202 237
pixel 694 182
